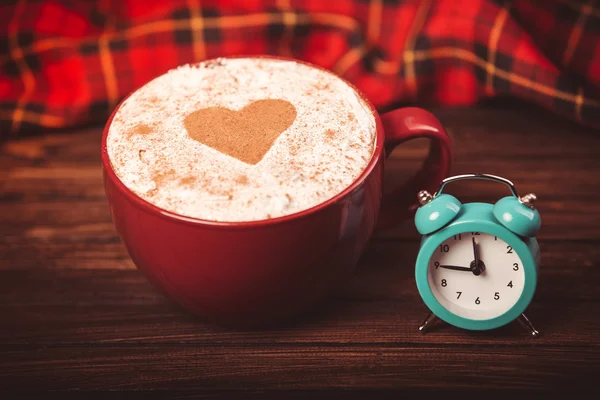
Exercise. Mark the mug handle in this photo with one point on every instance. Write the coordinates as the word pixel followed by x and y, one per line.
pixel 402 125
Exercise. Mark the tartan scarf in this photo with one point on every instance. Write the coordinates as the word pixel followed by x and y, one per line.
pixel 68 63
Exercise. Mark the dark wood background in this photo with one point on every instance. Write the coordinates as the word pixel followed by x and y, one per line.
pixel 75 314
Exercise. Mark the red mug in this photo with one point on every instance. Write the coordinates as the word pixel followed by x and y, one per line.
pixel 259 272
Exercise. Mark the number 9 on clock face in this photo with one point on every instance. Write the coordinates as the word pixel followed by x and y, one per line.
pixel 476 275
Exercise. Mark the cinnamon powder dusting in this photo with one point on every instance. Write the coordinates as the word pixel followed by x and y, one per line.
pixel 247 134
pixel 188 180
pixel 141 129
pixel 316 174
pixel 161 176
pixel 322 86
pixel 330 133
pixel 241 180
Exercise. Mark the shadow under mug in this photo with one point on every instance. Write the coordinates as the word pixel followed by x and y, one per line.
pixel 259 272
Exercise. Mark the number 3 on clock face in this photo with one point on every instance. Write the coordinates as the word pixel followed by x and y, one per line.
pixel 476 292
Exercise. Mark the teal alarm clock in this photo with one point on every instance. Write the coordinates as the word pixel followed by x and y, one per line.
pixel 477 266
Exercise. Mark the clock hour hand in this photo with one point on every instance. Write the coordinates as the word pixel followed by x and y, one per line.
pixel 456 268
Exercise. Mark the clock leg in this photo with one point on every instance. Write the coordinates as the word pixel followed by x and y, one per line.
pixel 526 323
pixel 430 318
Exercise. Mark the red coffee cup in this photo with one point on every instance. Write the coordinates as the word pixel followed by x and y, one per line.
pixel 259 272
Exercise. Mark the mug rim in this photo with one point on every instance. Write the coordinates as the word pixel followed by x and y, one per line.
pixel 145 205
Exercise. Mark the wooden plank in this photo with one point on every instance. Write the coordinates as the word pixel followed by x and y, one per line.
pixel 153 320
pixel 280 367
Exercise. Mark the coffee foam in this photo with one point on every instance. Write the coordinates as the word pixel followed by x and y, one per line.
pixel 325 149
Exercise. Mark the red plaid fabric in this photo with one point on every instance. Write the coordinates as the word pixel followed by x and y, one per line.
pixel 67 63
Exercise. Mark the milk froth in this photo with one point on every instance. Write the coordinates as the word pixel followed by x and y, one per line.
pixel 327 145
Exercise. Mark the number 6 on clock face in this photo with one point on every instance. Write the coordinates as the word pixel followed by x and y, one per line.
pixel 476 296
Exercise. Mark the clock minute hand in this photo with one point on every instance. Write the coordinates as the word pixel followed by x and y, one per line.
pixel 476 266
pixel 475 253
pixel 456 268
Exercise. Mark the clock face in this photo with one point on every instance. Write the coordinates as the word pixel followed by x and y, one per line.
pixel 479 291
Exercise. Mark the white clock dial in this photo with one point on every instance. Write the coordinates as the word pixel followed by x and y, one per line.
pixel 461 291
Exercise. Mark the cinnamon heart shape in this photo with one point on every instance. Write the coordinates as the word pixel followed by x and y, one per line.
pixel 247 134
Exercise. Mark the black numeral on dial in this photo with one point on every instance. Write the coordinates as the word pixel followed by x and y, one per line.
pixel 515 267
pixel 477 301
pixel 496 296
pixel 444 283
pixel 444 248
pixel 458 297
pixel 509 284
pixel 509 249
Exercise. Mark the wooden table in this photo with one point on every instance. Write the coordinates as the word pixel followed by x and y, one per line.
pixel 75 313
